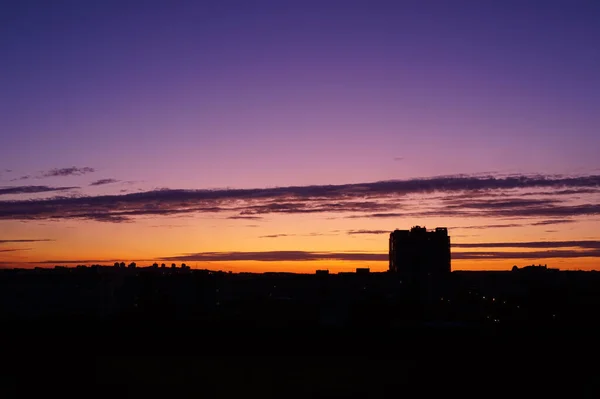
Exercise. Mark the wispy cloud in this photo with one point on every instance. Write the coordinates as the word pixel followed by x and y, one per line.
pixel 487 226
pixel 102 182
pixel 26 177
pixel 509 213
pixel 563 192
pixel 552 221
pixel 551 249
pixel 277 256
pixel 510 225
pixel 360 232
pixel 386 199
pixel 591 250
pixel 31 190
pixel 167 226
pixel 384 215
pixel 23 240
pixel 499 255
pixel 276 235
pixel 14 249
pixel 58 172
pixel 71 171
pixel 509 203
pixel 295 235
pixel 587 244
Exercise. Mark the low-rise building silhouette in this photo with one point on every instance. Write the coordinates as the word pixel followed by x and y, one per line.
pixel 418 251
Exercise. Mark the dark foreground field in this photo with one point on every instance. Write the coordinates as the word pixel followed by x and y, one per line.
pixel 125 333
pixel 173 361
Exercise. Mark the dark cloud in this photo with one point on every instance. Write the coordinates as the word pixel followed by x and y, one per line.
pixel 507 225
pixel 309 206
pixel 21 178
pixel 552 221
pixel 102 182
pixel 31 190
pixel 562 192
pixel 245 217
pixel 487 226
pixel 512 213
pixel 587 244
pixel 552 211
pixel 276 235
pixel 349 198
pixel 167 226
pixel 24 240
pixel 72 171
pixel 295 235
pixel 278 256
pixel 15 249
pixel 353 232
pixel 398 158
pixel 299 256
pixel 500 204
pixel 526 255
pixel 379 215
pixel 488 194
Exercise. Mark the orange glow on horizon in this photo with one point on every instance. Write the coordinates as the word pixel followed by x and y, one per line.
pixel 153 239
pixel 310 267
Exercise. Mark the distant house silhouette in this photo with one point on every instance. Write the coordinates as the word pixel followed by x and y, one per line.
pixel 533 269
pixel 418 251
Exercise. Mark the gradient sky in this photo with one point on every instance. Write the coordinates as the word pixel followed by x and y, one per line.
pixel 169 131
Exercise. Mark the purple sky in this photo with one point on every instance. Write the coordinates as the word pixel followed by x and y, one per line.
pixel 253 93
pixel 258 94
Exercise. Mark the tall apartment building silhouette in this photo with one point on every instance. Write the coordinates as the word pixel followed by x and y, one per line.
pixel 418 251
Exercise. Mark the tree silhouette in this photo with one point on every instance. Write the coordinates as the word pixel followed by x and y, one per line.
pixel 132 265
pixel 162 266
pixel 155 265
pixel 173 266
pixel 122 265
pixel 116 264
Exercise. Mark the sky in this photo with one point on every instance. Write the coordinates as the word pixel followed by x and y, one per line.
pixel 296 135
